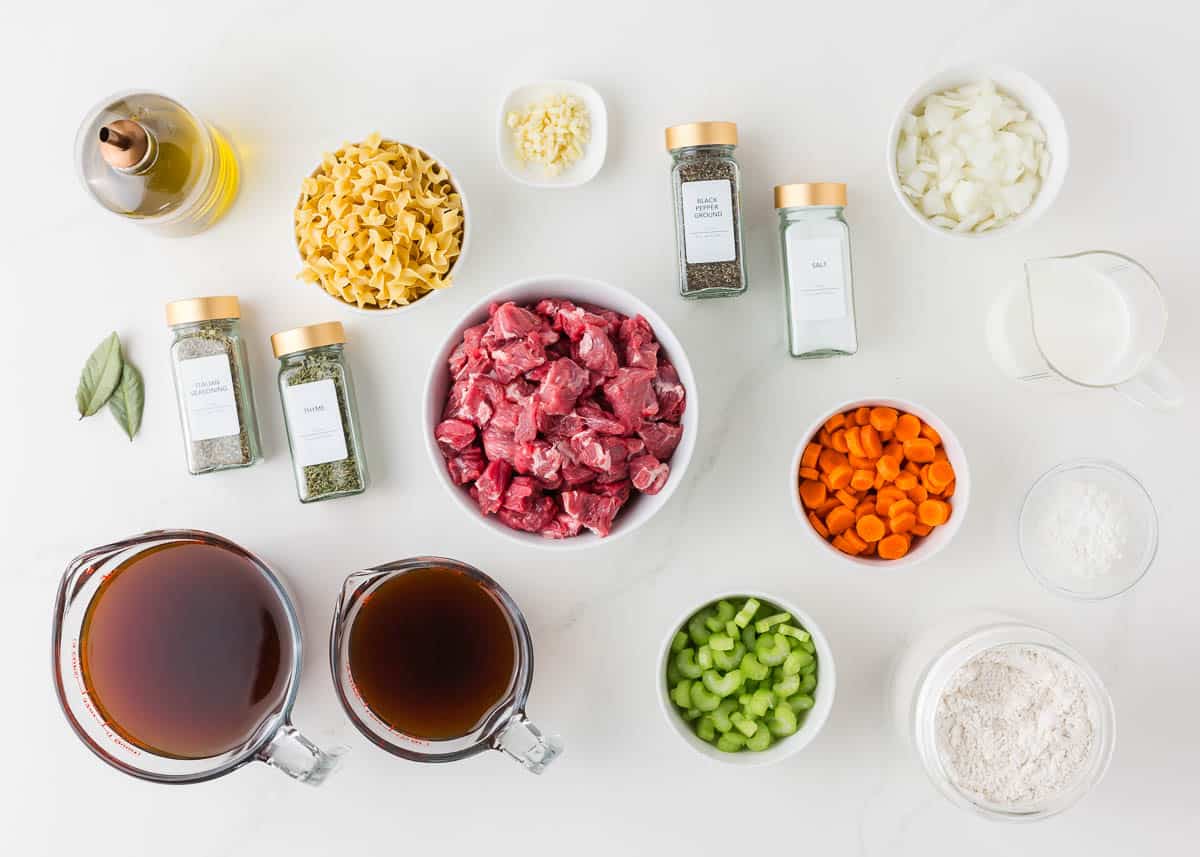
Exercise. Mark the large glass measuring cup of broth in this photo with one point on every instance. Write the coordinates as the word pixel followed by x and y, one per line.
pixel 1090 320
pixel 176 658
pixel 433 662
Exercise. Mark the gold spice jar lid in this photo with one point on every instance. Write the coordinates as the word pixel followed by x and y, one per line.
pixel 810 193
pixel 192 310
pixel 309 336
pixel 702 134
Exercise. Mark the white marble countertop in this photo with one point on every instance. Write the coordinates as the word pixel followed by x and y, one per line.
pixel 813 88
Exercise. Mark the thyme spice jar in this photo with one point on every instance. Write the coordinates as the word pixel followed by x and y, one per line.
pixel 212 384
pixel 320 412
pixel 706 182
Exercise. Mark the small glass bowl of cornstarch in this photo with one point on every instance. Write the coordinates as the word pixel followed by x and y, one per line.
pixel 1012 723
pixel 1088 530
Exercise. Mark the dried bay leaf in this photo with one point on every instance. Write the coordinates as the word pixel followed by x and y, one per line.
pixel 99 377
pixel 128 400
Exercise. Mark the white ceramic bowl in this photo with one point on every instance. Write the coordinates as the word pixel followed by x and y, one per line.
pixel 1032 97
pixel 641 507
pixel 534 175
pixel 454 268
pixel 782 749
pixel 921 549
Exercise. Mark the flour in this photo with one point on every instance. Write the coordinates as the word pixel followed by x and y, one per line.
pixel 1083 531
pixel 1014 725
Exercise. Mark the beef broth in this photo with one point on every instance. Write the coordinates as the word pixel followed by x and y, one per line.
pixel 185 649
pixel 432 653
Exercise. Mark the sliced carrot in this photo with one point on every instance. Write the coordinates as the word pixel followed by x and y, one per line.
pixel 836 421
pixel 870 528
pixel 871 443
pixel 940 454
pixel 888 467
pixel 854 441
pixel 817 525
pixel 933 512
pixel 886 436
pixel 862 416
pixel 941 474
pixel 828 506
pixel 823 437
pixel 859 463
pixel 949 492
pixel 905 481
pixel 902 523
pixel 883 418
pixel 895 449
pixel 839 477
pixel 838 440
pixel 920 529
pixel 919 450
pixel 810 473
pixel 930 432
pixel 863 480
pixel 808 458
pixel 886 497
pixel 829 459
pixel 902 507
pixel 918 494
pixel 867 507
pixel 848 499
pixel 869 550
pixel 841 544
pixel 855 541
pixel 812 493
pixel 893 546
pixel 908 427
pixel 880 481
pixel 839 520
pixel 912 467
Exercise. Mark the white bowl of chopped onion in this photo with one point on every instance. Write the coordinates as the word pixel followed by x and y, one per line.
pixel 552 134
pixel 990 158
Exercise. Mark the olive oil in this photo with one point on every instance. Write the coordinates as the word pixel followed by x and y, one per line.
pixel 146 157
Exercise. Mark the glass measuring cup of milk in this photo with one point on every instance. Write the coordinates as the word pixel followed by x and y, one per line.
pixel 1090 320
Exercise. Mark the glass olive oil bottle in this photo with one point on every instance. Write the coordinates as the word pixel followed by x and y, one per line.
pixel 146 157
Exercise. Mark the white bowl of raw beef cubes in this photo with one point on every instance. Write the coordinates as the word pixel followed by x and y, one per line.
pixel 609 456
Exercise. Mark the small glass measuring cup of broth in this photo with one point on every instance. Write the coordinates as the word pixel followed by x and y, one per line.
pixel 432 661
pixel 176 658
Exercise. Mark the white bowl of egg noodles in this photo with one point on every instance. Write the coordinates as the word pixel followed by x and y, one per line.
pixel 363 285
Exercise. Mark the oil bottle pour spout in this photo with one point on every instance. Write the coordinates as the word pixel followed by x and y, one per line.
pixel 127 146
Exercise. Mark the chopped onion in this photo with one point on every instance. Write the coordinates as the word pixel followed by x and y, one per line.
pixel 971 159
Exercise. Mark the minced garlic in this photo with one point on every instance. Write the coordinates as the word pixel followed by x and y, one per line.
pixel 553 132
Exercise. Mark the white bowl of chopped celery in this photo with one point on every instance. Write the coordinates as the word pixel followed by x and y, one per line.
pixel 540 116
pixel 746 678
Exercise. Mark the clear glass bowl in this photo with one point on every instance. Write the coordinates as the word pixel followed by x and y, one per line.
pixel 929 663
pixel 1140 531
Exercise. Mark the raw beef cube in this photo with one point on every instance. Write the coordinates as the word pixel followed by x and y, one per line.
pixel 562 427
pixel 594 511
pixel 470 400
pixel 574 473
pixel 536 375
pixel 562 527
pixel 470 357
pixel 458 360
pixel 547 461
pixel 520 492
pixel 540 515
pixel 499 446
pixel 599 420
pixel 506 417
pixel 661 438
pixel 631 396
pixel 649 474
pixel 596 351
pixel 613 318
pixel 526 429
pixel 518 390
pixel 518 357
pixel 670 393
pixel 467 466
pixel 492 484
pixel 637 338
pixel 591 452
pixel 634 445
pixel 550 308
pixel 621 489
pixel 510 321
pixel 454 436
pixel 562 386
pixel 523 458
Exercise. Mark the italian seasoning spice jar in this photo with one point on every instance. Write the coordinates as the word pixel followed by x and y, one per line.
pixel 817 274
pixel 706 182
pixel 212 384
pixel 320 412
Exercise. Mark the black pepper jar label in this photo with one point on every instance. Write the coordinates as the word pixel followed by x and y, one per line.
pixel 708 221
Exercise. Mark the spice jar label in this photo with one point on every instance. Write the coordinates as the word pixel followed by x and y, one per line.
pixel 816 280
pixel 315 422
pixel 207 385
pixel 708 221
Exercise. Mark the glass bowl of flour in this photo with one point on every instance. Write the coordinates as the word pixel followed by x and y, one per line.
pixel 1088 530
pixel 1007 720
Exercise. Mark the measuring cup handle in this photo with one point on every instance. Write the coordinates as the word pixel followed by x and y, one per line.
pixel 526 743
pixel 1154 387
pixel 299 758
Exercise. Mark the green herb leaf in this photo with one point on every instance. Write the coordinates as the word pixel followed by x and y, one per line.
pixel 128 400
pixel 100 376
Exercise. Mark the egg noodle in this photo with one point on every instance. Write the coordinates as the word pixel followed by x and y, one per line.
pixel 379 224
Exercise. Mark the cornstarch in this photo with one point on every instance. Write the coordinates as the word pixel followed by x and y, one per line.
pixel 1014 725
pixel 1084 529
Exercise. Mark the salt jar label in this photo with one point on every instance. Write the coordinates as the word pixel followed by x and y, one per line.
pixel 315 423
pixel 708 222
pixel 816 278
pixel 207 385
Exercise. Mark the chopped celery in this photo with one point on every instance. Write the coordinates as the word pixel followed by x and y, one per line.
pixel 682 694
pixel 743 617
pixel 785 688
pixel 768 622
pixel 743 724
pixel 810 667
pixel 697 630
pixel 681 640
pixel 759 741
pixel 795 661
pixel 792 631
pixel 673 674
pixel 731 659
pixel 702 699
pixel 808 646
pixel 685 662
pixel 771 649
pixel 731 742
pixel 802 702
pixel 720 715
pixel 808 682
pixel 723 685
pixel 704 657
pixel 714 624
pixel 693 714
pixel 705 728
pixel 752 668
pixel 749 635
pixel 725 611
pixel 761 702
pixel 783 721
pixel 720 643
pixel 732 630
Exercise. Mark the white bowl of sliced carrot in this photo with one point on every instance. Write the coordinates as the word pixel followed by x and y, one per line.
pixel 880 482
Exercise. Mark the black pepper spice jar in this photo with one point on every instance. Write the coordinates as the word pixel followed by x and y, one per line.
pixel 320 412
pixel 706 182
